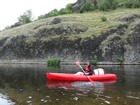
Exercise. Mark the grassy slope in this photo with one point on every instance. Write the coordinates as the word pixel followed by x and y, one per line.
pixel 91 20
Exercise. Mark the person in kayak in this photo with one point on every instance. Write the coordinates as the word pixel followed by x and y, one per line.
pixel 88 69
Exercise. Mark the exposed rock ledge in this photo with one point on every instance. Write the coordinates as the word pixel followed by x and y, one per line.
pixel 44 62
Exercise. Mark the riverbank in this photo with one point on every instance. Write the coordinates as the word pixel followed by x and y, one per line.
pixel 43 61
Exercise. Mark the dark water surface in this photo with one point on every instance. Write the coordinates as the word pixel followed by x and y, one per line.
pixel 27 85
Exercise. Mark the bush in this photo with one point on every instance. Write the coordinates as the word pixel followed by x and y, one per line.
pixel 121 60
pixel 55 12
pixel 132 4
pixel 69 6
pixel 94 61
pixel 65 11
pixel 53 62
pixel 106 5
pixel 103 19
pixel 88 6
pixel 25 18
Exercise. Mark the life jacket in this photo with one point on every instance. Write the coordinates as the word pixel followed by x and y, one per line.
pixel 87 69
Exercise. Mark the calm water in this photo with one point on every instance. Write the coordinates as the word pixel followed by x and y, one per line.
pixel 27 85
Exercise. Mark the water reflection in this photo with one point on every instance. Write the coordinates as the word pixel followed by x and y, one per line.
pixel 18 76
pixel 84 86
pixel 27 85
pixel 21 81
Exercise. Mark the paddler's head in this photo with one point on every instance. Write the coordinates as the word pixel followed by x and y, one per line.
pixel 88 62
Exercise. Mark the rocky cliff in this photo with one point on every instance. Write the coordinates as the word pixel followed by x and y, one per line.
pixel 76 37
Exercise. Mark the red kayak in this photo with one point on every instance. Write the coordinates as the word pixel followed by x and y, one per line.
pixel 73 77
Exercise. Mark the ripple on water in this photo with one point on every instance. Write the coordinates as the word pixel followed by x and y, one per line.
pixel 5 101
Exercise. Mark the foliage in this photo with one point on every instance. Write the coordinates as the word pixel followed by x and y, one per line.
pixel 121 60
pixel 55 12
pixel 53 62
pixel 105 5
pixel 131 3
pixel 103 18
pixel 88 6
pixel 69 6
pixel 64 11
pixel 26 17
pixel 94 61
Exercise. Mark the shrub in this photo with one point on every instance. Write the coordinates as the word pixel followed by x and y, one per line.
pixel 132 4
pixel 53 62
pixel 88 6
pixel 65 11
pixel 106 5
pixel 121 60
pixel 25 18
pixel 103 19
pixel 94 61
pixel 69 6
pixel 53 13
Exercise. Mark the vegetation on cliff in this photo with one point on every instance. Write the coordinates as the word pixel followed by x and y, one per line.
pixel 81 6
pixel 71 26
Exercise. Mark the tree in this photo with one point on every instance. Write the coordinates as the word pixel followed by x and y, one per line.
pixel 53 13
pixel 87 6
pixel 26 17
pixel 106 5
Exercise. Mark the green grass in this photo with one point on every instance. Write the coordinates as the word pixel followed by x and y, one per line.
pixel 90 20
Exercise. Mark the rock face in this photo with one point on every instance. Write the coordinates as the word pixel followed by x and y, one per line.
pixel 132 53
pixel 122 41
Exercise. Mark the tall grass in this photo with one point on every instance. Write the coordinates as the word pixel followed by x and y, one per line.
pixel 53 62
pixel 94 61
pixel 121 60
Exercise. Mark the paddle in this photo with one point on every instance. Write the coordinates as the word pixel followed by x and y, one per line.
pixel 78 63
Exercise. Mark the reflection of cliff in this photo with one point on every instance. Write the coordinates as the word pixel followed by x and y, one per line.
pixel 98 87
pixel 21 76
pixel 132 76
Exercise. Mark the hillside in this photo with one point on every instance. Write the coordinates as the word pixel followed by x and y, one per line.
pixel 76 37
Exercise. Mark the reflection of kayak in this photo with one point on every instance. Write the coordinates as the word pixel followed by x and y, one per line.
pixel 70 84
pixel 55 84
pixel 98 87
pixel 73 77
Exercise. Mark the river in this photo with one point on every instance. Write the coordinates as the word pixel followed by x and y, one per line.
pixel 26 84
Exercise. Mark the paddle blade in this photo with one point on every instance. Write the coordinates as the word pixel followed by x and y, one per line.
pixel 77 63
